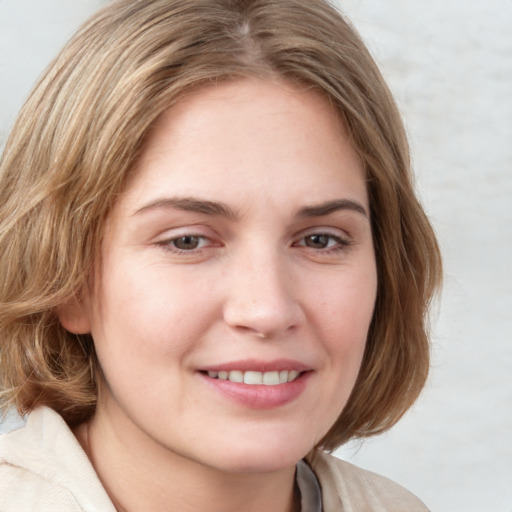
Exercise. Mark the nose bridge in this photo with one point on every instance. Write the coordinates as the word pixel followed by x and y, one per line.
pixel 261 295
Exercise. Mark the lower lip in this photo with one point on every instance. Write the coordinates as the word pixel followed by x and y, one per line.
pixel 260 396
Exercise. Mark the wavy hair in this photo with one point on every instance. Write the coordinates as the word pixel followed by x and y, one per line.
pixel 78 136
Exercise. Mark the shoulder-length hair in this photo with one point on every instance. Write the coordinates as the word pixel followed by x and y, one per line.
pixel 80 132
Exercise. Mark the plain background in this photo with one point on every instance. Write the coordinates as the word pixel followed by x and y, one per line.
pixel 449 63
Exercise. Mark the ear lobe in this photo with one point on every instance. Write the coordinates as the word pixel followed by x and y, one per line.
pixel 74 317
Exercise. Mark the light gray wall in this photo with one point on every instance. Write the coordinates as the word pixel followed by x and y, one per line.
pixel 31 33
pixel 449 63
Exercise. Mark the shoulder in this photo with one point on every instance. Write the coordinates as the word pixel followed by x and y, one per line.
pixel 43 468
pixel 22 490
pixel 346 487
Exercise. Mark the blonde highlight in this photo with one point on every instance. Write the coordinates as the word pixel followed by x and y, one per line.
pixel 78 138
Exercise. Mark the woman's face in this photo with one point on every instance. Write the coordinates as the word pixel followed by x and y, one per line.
pixel 241 249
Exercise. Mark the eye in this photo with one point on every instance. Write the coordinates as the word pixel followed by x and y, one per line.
pixel 318 241
pixel 188 242
pixel 322 241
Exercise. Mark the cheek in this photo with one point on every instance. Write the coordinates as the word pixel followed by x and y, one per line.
pixel 148 316
pixel 344 313
pixel 348 303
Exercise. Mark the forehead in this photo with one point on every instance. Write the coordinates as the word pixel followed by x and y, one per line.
pixel 251 136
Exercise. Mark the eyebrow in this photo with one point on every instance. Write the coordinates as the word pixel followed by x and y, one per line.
pixel 328 207
pixel 190 204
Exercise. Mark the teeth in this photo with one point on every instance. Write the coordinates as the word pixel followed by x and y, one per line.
pixel 256 378
pixel 293 375
pixel 270 378
pixel 251 377
pixel 236 376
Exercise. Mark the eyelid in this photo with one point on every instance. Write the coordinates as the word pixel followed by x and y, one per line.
pixel 324 230
pixel 342 238
pixel 172 232
pixel 166 238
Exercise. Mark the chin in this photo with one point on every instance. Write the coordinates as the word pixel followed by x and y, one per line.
pixel 263 456
pixel 252 464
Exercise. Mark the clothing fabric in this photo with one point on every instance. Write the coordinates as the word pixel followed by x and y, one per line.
pixel 309 487
pixel 347 488
pixel 44 469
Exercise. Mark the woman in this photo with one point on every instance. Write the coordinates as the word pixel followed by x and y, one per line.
pixel 215 267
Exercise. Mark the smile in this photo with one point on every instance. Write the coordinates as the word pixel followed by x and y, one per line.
pixel 273 378
pixel 259 384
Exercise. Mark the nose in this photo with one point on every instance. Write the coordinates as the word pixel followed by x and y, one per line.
pixel 261 296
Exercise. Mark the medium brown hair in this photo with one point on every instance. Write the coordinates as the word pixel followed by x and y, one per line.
pixel 79 134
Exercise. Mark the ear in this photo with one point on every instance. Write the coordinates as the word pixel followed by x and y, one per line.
pixel 74 316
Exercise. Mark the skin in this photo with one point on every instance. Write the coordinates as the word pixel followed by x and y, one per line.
pixel 270 274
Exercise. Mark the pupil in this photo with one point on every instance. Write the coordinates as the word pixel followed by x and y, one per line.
pixel 317 241
pixel 187 242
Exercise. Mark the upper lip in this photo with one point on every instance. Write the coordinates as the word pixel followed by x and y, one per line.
pixel 258 366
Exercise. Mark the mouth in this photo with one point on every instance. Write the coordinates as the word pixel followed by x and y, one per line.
pixel 259 384
pixel 256 378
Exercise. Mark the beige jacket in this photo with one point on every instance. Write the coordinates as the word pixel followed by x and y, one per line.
pixel 44 469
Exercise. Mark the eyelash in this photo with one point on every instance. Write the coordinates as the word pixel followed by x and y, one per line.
pixel 168 245
pixel 340 244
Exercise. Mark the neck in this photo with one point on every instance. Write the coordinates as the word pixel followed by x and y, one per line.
pixel 142 475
